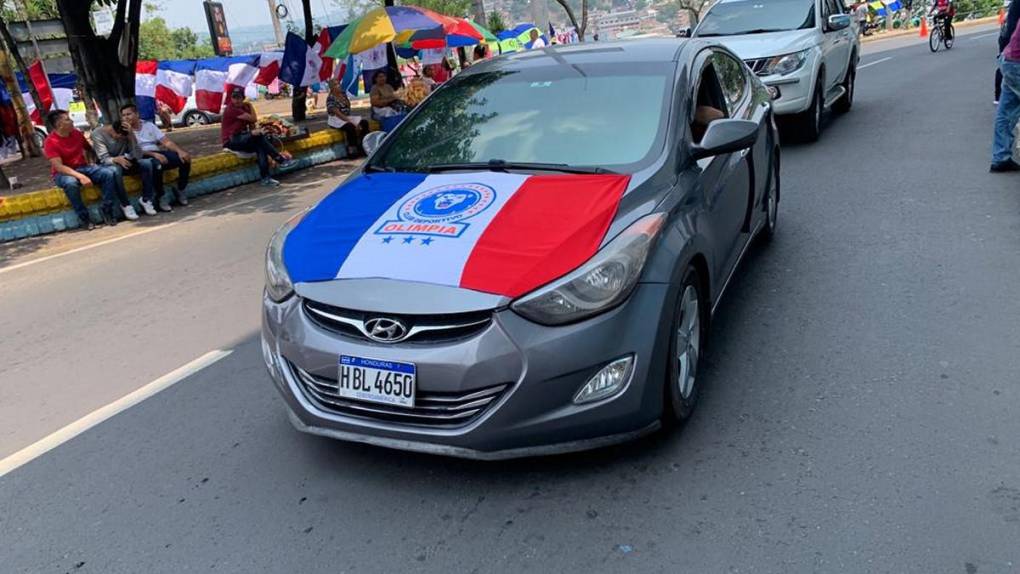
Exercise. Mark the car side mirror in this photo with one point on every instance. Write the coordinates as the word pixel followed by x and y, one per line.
pixel 725 136
pixel 684 33
pixel 372 142
pixel 838 22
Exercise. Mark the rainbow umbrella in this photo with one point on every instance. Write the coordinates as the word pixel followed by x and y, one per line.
pixel 398 24
pixel 452 40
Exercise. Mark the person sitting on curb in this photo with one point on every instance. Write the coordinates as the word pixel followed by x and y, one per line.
pixel 65 147
pixel 338 106
pixel 156 145
pixel 117 148
pixel 239 133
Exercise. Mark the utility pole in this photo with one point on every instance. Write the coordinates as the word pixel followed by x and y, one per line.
pixel 277 27
pixel 28 143
pixel 478 7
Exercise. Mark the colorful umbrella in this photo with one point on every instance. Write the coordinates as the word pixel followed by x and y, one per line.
pixel 399 24
pixel 453 40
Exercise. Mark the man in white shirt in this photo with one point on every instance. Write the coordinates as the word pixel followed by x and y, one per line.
pixel 536 40
pixel 156 145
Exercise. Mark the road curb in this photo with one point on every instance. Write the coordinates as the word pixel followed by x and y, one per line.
pixel 48 211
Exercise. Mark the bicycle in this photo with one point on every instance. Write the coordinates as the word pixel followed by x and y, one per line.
pixel 938 37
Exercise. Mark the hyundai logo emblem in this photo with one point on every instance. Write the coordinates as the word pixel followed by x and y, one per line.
pixel 385 330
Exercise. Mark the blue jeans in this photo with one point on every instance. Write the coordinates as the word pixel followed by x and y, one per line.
pixel 102 177
pixel 1008 112
pixel 259 145
pixel 147 168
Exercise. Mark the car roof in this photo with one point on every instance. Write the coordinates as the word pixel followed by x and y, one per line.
pixel 624 51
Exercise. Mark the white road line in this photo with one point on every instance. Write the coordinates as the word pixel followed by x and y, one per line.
pixel 982 36
pixel 92 419
pixel 87 247
pixel 869 64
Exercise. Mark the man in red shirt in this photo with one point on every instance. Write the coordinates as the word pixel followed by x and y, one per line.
pixel 238 132
pixel 65 147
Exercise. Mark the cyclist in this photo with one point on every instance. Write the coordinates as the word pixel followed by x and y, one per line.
pixel 944 11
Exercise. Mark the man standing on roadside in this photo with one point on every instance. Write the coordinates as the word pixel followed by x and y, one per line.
pixel 117 149
pixel 65 147
pixel 1009 103
pixel 161 148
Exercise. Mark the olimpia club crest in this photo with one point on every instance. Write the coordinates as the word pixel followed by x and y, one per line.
pixel 440 211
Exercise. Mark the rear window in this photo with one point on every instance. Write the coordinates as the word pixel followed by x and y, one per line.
pixel 602 115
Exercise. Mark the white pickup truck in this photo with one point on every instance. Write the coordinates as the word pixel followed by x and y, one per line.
pixel 804 51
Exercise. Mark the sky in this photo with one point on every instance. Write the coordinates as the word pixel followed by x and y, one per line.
pixel 190 14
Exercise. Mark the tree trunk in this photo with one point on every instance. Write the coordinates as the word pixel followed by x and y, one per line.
pixel 106 66
pixel 392 68
pixel 299 101
pixel 27 130
pixel 27 139
pixel 478 12
pixel 573 19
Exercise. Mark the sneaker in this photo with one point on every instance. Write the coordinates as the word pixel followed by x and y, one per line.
pixel 270 182
pixel 285 164
pixel 182 198
pixel 129 212
pixel 89 226
pixel 108 218
pixel 994 103
pixel 164 205
pixel 147 207
pixel 1004 166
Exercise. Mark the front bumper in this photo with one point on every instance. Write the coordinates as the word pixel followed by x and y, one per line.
pixel 544 366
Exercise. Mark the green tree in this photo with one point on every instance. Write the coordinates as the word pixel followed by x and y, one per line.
pixel 37 9
pixel 459 8
pixel 188 46
pixel 496 24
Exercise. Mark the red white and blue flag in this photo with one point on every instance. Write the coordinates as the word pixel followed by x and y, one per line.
pixel 301 63
pixel 269 68
pixel 145 88
pixel 500 233
pixel 214 76
pixel 174 83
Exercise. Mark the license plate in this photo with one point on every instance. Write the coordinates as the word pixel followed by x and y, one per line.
pixel 376 381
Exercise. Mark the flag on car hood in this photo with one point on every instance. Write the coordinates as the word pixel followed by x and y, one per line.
pixel 498 233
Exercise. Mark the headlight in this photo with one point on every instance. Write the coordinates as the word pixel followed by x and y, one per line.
pixel 278 283
pixel 598 285
pixel 787 64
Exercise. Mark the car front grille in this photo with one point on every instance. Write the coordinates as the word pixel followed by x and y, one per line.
pixel 758 66
pixel 430 409
pixel 422 328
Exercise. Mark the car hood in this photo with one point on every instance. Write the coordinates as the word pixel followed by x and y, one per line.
pixel 500 234
pixel 754 46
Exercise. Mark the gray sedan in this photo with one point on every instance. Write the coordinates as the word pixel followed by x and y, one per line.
pixel 528 264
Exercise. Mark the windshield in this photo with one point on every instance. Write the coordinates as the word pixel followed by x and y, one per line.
pixel 604 116
pixel 737 17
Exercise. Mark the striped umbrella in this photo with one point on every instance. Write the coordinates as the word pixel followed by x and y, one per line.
pixel 398 24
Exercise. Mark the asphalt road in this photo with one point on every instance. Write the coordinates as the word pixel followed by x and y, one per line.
pixel 859 415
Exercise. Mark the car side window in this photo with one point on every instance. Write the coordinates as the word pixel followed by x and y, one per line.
pixel 709 101
pixel 731 78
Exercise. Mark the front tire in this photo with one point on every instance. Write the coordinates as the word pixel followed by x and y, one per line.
pixel 768 232
pixel 846 102
pixel 688 335
pixel 811 120
pixel 935 40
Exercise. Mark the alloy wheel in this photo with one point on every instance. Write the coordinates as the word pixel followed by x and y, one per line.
pixel 688 342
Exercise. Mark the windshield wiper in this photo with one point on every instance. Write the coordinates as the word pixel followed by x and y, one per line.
pixel 500 165
pixel 759 31
pixel 373 168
